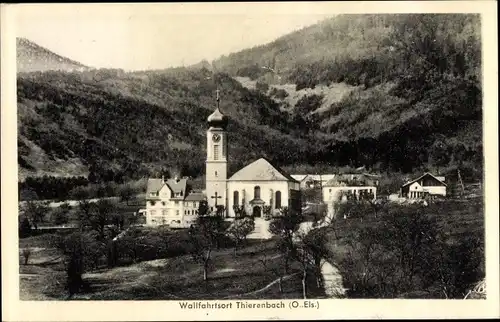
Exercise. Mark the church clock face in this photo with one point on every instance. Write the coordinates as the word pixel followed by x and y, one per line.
pixel 216 137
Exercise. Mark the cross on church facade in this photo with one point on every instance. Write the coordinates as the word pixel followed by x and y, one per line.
pixel 216 197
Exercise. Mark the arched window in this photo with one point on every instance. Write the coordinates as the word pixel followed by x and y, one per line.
pixel 278 199
pixel 236 198
pixel 256 192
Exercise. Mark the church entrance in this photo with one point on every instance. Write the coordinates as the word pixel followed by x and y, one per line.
pixel 256 212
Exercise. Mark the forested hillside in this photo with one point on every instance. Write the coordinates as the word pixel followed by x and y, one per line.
pixel 411 101
pixel 418 96
pixel 110 124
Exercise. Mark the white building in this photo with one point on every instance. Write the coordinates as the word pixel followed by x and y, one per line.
pixel 255 186
pixel 171 203
pixel 259 184
pixel 349 186
pixel 425 185
pixel 309 181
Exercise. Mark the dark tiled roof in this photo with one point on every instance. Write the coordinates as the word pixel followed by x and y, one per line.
pixel 154 185
pixel 177 185
pixel 195 196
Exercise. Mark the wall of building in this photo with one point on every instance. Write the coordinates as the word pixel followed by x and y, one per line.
pixel 176 213
pixel 333 193
pixel 267 188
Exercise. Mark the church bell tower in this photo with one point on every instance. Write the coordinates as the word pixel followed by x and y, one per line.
pixel 216 163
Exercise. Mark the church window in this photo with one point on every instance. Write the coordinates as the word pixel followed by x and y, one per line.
pixel 256 192
pixel 236 198
pixel 152 203
pixel 216 152
pixel 177 212
pixel 163 203
pixel 216 173
pixel 278 199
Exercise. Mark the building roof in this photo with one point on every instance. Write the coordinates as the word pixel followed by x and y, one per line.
pixel 299 177
pixel 217 119
pixel 350 180
pixel 195 196
pixel 316 177
pixel 261 170
pixel 177 185
pixel 422 176
pixel 154 185
pixel 320 177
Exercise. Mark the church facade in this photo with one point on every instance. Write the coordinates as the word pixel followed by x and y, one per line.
pixel 255 189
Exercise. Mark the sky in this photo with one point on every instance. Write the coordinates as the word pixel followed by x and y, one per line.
pixel 155 36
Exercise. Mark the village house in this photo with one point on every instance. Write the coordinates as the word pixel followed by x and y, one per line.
pixel 346 186
pixel 171 203
pixel 252 188
pixel 311 181
pixel 349 187
pixel 423 186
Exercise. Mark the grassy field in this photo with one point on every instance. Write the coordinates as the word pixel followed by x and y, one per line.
pixel 242 276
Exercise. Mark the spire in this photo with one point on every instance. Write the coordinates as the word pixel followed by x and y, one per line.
pixel 217 119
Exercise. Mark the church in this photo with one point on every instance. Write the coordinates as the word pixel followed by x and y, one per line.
pixel 254 188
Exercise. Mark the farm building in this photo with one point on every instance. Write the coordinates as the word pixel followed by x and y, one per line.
pixel 423 186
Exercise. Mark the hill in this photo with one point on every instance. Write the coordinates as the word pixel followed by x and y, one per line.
pixel 109 124
pixel 391 92
pixel 32 57
pixel 396 92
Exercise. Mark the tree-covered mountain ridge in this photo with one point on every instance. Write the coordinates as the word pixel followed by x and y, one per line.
pixel 408 98
pixel 390 91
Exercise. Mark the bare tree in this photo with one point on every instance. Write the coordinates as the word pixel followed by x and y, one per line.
pixel 126 193
pixel 284 227
pixel 36 211
pixel 267 259
pixel 239 230
pixel 204 237
pixel 26 252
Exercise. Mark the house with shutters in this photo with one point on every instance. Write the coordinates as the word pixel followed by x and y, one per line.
pixel 170 202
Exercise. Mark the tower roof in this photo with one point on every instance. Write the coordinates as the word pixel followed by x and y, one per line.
pixel 217 119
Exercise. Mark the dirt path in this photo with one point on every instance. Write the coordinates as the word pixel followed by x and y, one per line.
pixel 265 288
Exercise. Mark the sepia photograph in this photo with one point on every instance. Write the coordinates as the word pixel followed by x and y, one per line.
pixel 228 160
